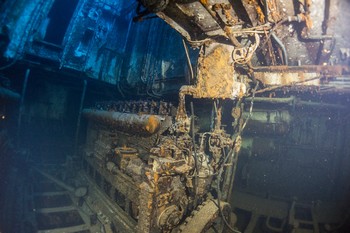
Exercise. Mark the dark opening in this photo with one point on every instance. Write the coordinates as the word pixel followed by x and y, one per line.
pixel 60 16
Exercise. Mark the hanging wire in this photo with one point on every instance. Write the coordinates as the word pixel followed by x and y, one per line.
pixel 232 154
pixel 250 109
pixel 219 191
pixel 188 60
pixel 243 55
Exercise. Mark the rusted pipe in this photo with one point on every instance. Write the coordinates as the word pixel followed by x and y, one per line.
pixel 188 61
pixel 284 51
pixel 296 102
pixel 336 70
pixel 288 100
pixel 126 122
pixel 185 90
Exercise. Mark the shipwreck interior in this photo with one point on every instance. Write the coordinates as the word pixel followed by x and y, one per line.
pixel 174 116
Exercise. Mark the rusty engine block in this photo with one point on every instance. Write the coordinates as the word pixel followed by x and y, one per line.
pixel 148 161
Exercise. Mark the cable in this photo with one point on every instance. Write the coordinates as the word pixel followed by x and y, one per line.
pixel 219 192
pixel 195 155
pixel 280 43
pixel 225 160
pixel 188 59
pixel 291 84
pixel 231 154
pixel 250 109
pixel 244 54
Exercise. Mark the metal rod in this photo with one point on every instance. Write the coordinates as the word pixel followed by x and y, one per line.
pixel 188 60
pixel 21 108
pixel 58 182
pixel 79 117
pixel 296 102
pixel 280 43
pixel 288 100
pixel 281 86
pixel 195 154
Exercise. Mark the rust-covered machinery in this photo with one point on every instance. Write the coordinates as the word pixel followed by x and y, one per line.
pixel 157 169
pixel 168 174
pixel 268 80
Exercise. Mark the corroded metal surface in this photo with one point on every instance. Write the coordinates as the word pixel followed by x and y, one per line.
pixel 305 36
pixel 312 75
pixel 158 184
pixel 206 214
pixel 312 79
pixel 145 124
pixel 154 167
pixel 215 75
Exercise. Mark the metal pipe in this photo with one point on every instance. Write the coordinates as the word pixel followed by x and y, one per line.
pixel 126 122
pixel 79 117
pixel 9 95
pixel 288 100
pixel 296 102
pixel 317 37
pixel 195 155
pixel 188 61
pixel 280 43
pixel 58 182
pixel 280 86
pixel 24 89
pixel 320 105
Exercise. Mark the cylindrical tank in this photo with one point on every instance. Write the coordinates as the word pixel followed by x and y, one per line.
pixel 126 122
